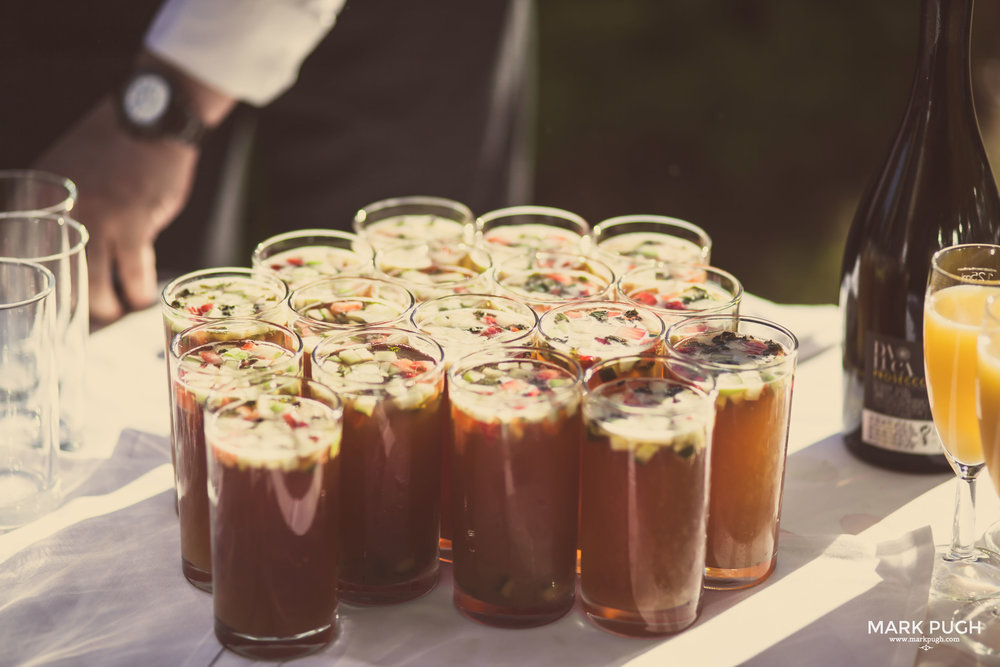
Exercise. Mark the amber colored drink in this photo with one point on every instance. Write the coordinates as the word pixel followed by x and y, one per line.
pixel 515 480
pixel 273 475
pixel 644 489
pixel 462 324
pixel 392 383
pixel 202 359
pixel 753 362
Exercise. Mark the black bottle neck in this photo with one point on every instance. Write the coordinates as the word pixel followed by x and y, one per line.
pixel 942 87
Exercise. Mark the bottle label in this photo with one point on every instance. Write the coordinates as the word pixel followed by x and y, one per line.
pixel 896 414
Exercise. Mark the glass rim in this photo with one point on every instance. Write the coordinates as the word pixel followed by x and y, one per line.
pixel 438 369
pixel 316 232
pixel 657 358
pixel 40 295
pixel 737 295
pixel 505 353
pixel 362 214
pixel 60 220
pixel 427 305
pixel 483 259
pixel 947 250
pixel 220 270
pixel 608 303
pixel 598 393
pixel 64 206
pixel 653 218
pixel 323 280
pixel 534 209
pixel 791 352
pixel 175 340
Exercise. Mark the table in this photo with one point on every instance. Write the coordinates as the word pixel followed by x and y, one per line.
pixel 98 581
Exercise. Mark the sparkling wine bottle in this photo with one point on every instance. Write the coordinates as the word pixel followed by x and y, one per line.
pixel 935 189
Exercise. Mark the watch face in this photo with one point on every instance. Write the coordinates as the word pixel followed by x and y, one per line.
pixel 146 99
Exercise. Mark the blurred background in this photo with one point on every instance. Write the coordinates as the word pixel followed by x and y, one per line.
pixel 760 120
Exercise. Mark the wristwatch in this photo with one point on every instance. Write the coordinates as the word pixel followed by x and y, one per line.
pixel 152 105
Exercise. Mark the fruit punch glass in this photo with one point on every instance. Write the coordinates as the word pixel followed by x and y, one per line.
pixel 644 489
pixel 204 358
pixel 545 280
pixel 515 482
pixel 753 363
pixel 679 291
pixel 273 474
pixel 212 294
pixel 405 220
pixel 517 230
pixel 629 241
pixel 591 331
pixel 329 305
pixel 434 269
pixel 305 255
pixel 392 384
pixel 463 324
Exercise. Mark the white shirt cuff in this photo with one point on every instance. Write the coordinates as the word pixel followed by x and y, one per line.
pixel 249 49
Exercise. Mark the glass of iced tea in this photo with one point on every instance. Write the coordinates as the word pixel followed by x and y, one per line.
pixel 392 384
pixel 545 280
pixel 407 220
pixel 433 269
pixel 273 480
pixel 629 241
pixel 463 324
pixel 753 363
pixel 329 305
pixel 644 492
pixel 515 482
pixel 211 294
pixel 517 230
pixel 679 291
pixel 591 331
pixel 302 256
pixel 202 359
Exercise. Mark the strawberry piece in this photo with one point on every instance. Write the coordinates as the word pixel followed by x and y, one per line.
pixel 645 298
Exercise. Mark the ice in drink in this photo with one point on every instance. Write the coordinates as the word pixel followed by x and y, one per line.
pixel 515 483
pixel 202 359
pixel 408 220
pixel 629 241
pixel 392 383
pixel 517 230
pixel 644 490
pixel 545 280
pixel 434 269
pixel 676 292
pixel 753 363
pixel 273 485
pixel 302 256
pixel 591 331
pixel 330 305
pixel 463 324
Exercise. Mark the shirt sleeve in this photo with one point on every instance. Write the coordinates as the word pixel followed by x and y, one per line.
pixel 249 49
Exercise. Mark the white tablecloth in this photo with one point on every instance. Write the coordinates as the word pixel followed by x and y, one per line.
pixel 98 581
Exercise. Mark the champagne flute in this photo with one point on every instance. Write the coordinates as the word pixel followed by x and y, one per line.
pixel 960 280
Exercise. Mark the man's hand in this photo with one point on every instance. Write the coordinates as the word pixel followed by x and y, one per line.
pixel 129 190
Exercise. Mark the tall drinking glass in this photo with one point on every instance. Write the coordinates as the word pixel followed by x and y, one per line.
pixel 960 280
pixel 407 220
pixel 59 244
pixel 274 476
pixel 392 384
pixel 202 359
pixel 463 324
pixel 435 268
pixel 753 363
pixel 29 397
pixel 644 489
pixel 628 241
pixel 515 484
pixel 23 190
pixel 679 291
pixel 516 230
pixel 302 256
